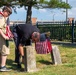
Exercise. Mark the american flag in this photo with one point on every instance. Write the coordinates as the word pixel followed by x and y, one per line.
pixel 8 32
pixel 43 47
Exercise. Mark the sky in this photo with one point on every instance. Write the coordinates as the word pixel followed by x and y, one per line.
pixel 46 15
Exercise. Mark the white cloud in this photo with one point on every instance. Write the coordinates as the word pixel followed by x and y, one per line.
pixel 42 10
pixel 72 13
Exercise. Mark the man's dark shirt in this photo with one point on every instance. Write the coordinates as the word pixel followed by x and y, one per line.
pixel 25 31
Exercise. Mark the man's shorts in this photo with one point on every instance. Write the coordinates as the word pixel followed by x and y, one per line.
pixel 4 50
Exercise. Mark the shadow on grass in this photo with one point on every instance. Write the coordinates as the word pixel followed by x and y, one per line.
pixel 13 65
pixel 45 62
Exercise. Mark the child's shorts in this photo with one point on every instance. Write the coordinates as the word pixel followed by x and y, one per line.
pixel 4 50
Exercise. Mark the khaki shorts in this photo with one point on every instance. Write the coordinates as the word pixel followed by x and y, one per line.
pixel 4 50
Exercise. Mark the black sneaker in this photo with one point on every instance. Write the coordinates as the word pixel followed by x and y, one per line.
pixel 4 69
pixel 19 65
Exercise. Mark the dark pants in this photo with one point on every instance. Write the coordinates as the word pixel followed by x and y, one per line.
pixel 17 53
pixel 0 59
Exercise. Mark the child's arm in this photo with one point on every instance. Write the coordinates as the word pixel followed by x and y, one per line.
pixel 3 35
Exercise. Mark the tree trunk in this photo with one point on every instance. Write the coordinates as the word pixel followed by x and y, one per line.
pixel 29 13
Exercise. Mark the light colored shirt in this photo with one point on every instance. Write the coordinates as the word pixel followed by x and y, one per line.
pixel 3 23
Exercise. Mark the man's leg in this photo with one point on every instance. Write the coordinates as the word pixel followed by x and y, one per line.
pixel 28 42
pixel 17 53
pixel 21 50
pixel 17 58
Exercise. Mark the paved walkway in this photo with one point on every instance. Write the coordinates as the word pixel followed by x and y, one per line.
pixel 63 43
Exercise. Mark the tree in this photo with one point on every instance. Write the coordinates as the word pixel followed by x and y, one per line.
pixel 28 4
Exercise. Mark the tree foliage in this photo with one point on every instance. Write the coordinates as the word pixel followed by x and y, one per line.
pixel 34 3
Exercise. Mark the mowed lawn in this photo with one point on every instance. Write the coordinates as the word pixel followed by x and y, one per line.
pixel 43 63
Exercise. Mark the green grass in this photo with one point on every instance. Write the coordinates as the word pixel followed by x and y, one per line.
pixel 43 63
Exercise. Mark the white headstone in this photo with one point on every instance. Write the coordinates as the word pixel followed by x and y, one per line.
pixel 56 58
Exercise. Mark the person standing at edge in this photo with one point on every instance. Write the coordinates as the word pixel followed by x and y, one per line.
pixel 6 12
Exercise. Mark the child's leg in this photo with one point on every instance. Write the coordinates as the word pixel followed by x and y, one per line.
pixel 3 35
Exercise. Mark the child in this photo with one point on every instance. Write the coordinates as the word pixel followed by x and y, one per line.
pixel 4 49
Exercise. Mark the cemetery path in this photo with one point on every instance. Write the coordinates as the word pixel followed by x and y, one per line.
pixel 63 43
